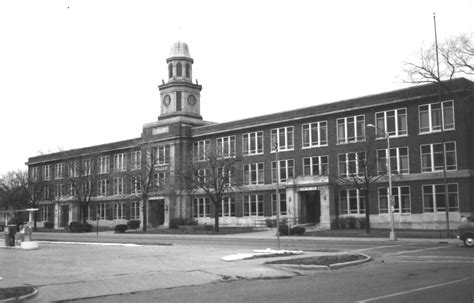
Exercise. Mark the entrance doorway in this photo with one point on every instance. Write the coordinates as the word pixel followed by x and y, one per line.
pixel 157 212
pixel 64 216
pixel 310 206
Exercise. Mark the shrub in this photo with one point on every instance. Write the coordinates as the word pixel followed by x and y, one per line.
pixel 362 223
pixel 17 221
pixel 49 225
pixel 208 227
pixel 176 222
pixel 343 222
pixel 85 228
pixel 120 228
pixel 283 230
pixel 351 222
pixel 298 230
pixel 133 224
pixel 270 223
pixel 78 227
pixel 75 227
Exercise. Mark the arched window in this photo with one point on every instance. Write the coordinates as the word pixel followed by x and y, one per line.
pixel 188 70
pixel 179 70
pixel 170 70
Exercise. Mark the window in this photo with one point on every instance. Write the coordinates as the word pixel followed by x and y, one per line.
pixel 163 155
pixel 170 70
pixel 104 164
pixel 160 178
pixel 226 175
pixel 179 70
pixel 432 157
pixel 47 172
pixel 178 101
pixel 351 164
pixel 398 161
pixel 86 188
pixel 101 211
pixel 200 175
pixel 34 175
pixel 135 210
pixel 118 186
pixel 89 213
pixel 253 205
pixel 283 138
pixel 283 205
pixel 315 134
pixel 119 162
pixel 401 197
pixel 188 70
pixel 351 202
pixel 102 187
pixel 118 212
pixel 201 207
pixel 253 174
pixel 44 213
pixel 87 167
pixel 73 169
pixel 436 117
pixel 252 143
pixel 46 193
pixel 72 190
pixel 286 170
pixel 226 146
pixel 316 166
pixel 136 185
pixel 200 150
pixel 59 190
pixel 136 159
pixel 393 122
pixel 351 129
pixel 228 207
pixel 58 170
pixel 434 199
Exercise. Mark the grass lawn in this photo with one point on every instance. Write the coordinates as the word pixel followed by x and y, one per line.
pixel 14 292
pixel 320 260
pixel 196 230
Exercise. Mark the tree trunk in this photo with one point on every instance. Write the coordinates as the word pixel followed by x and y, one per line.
pixel 367 213
pixel 216 214
pixel 145 203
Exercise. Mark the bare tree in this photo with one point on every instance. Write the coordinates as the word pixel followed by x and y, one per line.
pixel 361 173
pixel 214 177
pixel 81 182
pixel 456 60
pixel 150 173
pixel 14 190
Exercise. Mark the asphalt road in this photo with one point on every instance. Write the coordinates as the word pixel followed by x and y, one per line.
pixel 401 271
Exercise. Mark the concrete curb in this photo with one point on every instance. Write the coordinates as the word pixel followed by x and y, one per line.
pixel 22 298
pixel 351 263
pixel 328 267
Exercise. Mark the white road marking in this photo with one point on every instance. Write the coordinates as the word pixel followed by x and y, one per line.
pixel 414 290
pixel 418 250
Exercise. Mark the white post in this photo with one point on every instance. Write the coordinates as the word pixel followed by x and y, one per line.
pixel 390 197
pixel 277 195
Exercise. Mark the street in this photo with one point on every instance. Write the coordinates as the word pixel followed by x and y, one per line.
pixel 407 272
pixel 169 268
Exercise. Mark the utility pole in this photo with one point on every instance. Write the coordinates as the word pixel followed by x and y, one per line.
pixel 445 178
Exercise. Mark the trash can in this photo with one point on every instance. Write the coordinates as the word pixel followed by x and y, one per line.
pixel 10 231
pixel 25 234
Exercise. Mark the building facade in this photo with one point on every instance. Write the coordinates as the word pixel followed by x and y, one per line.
pixel 319 159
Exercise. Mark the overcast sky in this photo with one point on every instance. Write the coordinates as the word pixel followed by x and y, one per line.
pixel 80 73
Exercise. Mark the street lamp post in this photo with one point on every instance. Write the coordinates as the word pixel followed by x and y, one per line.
pixel 277 194
pixel 389 168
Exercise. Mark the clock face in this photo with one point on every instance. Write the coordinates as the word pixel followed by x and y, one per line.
pixel 166 100
pixel 191 100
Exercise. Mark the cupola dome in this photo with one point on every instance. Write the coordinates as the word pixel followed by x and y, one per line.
pixel 179 49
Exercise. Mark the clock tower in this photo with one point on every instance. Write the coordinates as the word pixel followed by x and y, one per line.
pixel 180 97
